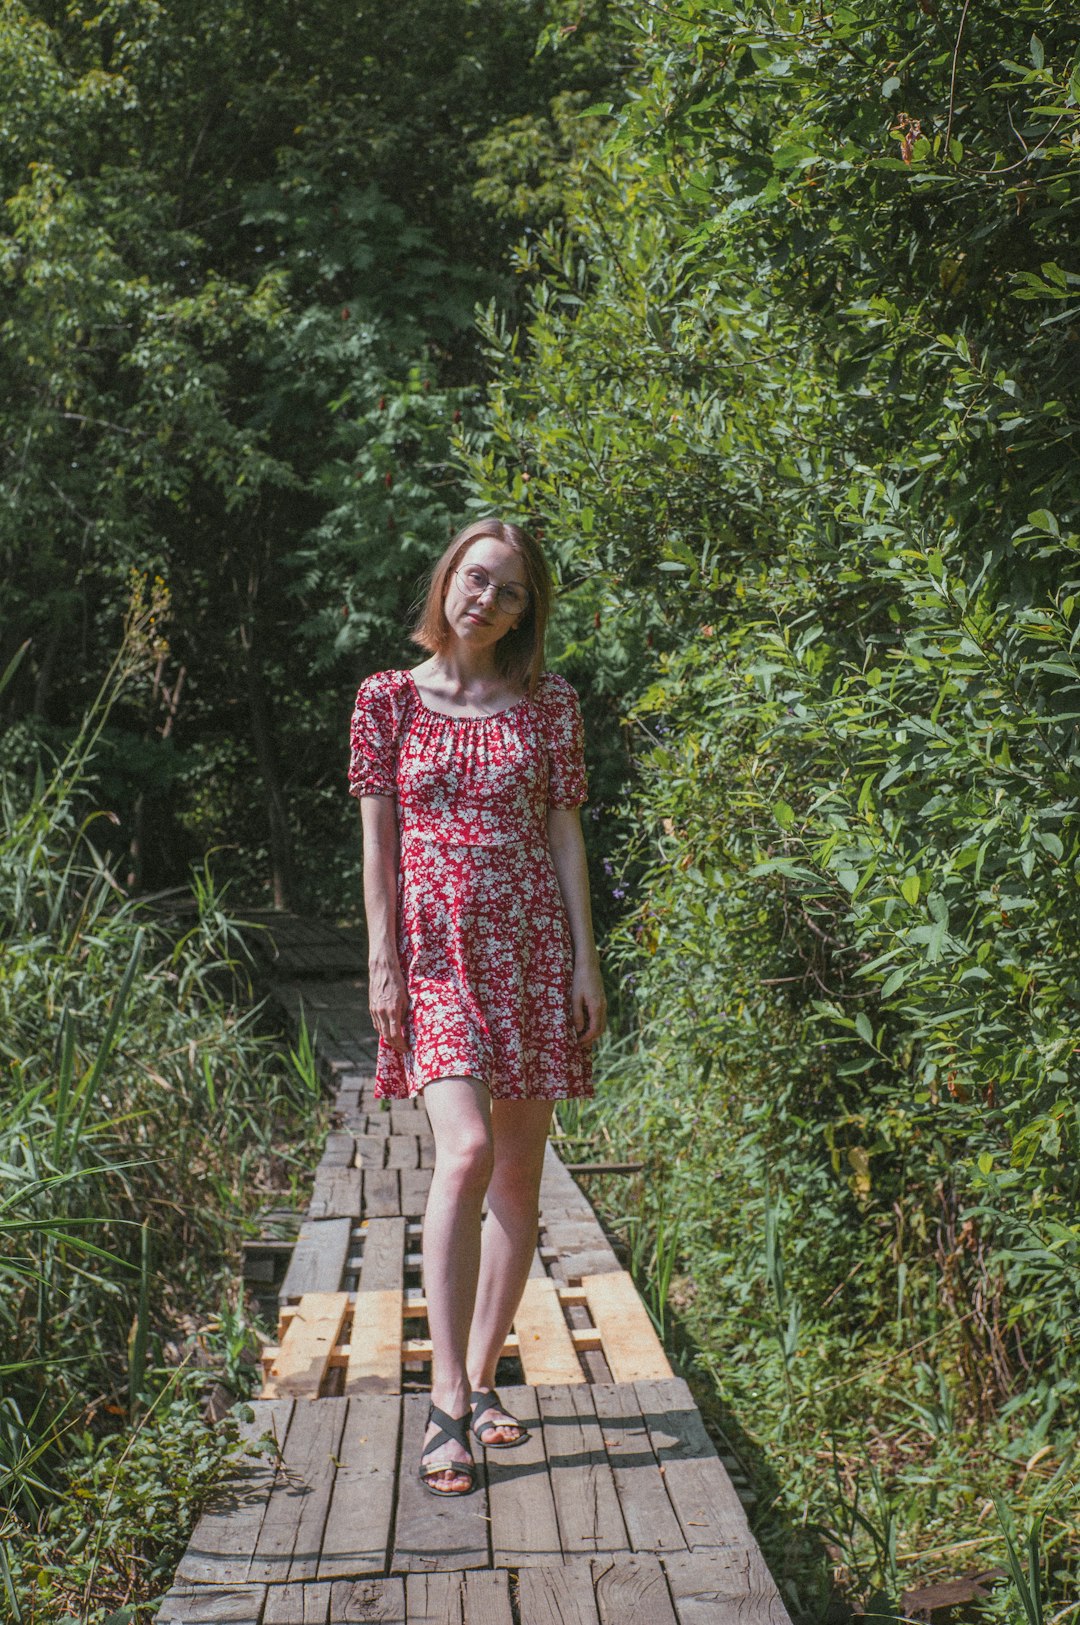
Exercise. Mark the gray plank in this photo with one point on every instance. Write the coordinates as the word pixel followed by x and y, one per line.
pixel 433 1531
pixel 382 1193
pixel 291 1532
pixel 370 1149
pixel 372 1602
pixel 709 1511
pixel 415 1184
pixel 650 1520
pixel 434 1599
pixel 632 1591
pixel 727 1587
pixel 300 1604
pixel 225 1536
pixel 383 1267
pixel 338 1193
pixel 487 1598
pixel 212 1605
pixel 318 1260
pixel 582 1482
pixel 356 1538
pixel 557 1596
pixel 524 1527
pixel 338 1150
pixel 402 1150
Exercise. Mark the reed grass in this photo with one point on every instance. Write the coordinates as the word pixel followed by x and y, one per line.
pixel 142 1098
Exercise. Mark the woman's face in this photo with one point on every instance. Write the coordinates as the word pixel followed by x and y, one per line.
pixel 481 615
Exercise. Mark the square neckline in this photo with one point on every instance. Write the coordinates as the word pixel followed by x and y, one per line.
pixel 451 716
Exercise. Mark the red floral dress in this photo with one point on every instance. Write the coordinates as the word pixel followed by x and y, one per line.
pixel 483 936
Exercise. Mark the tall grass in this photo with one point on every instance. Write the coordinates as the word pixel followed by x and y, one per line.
pixel 138 1106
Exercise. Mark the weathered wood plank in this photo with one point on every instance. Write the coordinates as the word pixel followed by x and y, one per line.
pixel 731 1586
pixel 557 1596
pixel 300 1364
pixel 631 1347
pixel 338 1193
pixel 291 1533
pixel 402 1151
pixel 524 1528
pixel 384 1255
pixel 433 1531
pixel 709 1511
pixel 338 1150
pixel 415 1185
pixel 212 1605
pixel 643 1499
pixel 301 1604
pixel 370 1149
pixel 356 1538
pixel 368 1602
pixel 435 1599
pixel 582 1482
pixel 487 1598
pixel 225 1536
pixel 632 1591
pixel 382 1193
pixel 318 1260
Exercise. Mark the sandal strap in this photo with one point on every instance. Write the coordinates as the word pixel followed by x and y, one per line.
pixel 451 1429
pixel 482 1402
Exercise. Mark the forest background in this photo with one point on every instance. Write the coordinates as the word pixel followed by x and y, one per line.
pixel 766 317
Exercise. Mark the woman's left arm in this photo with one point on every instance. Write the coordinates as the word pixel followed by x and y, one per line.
pixel 568 855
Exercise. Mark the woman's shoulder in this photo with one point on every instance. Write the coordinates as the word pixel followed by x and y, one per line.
pixel 383 685
pixel 553 690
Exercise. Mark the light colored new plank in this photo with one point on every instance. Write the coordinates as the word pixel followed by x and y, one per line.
pixel 545 1347
pixel 630 1344
pixel 302 1360
pixel 373 1364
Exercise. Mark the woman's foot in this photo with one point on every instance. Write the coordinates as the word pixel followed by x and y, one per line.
pixel 494 1427
pixel 446 1463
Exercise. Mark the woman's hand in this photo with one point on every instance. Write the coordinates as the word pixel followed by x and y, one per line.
pixel 589 1001
pixel 388 1001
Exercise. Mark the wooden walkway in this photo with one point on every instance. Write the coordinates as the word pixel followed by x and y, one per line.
pixel 618 1510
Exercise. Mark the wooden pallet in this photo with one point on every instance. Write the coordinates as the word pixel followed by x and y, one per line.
pixel 616 1511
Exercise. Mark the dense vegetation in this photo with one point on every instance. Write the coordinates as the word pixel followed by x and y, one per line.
pixel 783 364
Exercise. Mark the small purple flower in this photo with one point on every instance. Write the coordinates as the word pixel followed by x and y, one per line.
pixel 608 869
pixel 618 891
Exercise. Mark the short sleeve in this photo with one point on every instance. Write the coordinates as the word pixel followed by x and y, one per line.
pixel 373 737
pixel 565 736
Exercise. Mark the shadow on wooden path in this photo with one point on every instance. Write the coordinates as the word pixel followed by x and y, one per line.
pixel 617 1511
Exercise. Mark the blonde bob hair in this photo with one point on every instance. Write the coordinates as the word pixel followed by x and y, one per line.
pixel 519 653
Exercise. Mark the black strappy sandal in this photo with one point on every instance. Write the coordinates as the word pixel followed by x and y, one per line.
pixel 451 1428
pixel 481 1403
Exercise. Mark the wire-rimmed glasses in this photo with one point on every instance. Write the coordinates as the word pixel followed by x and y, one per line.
pixel 512 598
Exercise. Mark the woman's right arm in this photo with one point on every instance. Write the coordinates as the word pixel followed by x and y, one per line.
pixel 387 998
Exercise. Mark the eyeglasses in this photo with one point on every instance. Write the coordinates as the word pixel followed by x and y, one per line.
pixel 512 598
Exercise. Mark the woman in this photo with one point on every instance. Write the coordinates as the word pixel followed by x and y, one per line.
pixel 484 984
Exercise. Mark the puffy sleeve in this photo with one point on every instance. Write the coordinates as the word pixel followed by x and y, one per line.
pixel 373 738
pixel 565 736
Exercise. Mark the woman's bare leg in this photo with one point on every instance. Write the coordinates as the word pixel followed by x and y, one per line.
pixel 459 1110
pixel 519 1130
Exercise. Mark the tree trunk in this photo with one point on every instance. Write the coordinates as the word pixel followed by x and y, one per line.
pixel 281 856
